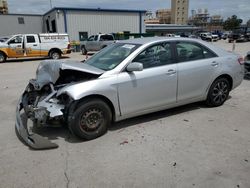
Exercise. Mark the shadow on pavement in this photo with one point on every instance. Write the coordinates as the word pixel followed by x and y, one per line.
pixel 18 60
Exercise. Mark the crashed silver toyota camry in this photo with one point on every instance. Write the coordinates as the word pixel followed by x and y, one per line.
pixel 126 79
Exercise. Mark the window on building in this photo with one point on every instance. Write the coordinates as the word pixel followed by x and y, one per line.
pixel 53 24
pixel 20 20
pixel 47 25
pixel 83 36
pixel 30 39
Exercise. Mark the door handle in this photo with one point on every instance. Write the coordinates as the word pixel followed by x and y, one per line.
pixel 214 64
pixel 171 72
pixel 19 46
pixel 34 44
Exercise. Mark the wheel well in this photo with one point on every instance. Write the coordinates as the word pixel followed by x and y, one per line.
pixel 104 46
pixel 55 50
pixel 103 98
pixel 3 53
pixel 228 77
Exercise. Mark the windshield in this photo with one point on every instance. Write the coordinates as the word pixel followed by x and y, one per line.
pixel 111 56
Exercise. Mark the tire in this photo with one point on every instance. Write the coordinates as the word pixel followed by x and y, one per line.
pixel 218 92
pixel 84 51
pixel 2 57
pixel 91 119
pixel 55 55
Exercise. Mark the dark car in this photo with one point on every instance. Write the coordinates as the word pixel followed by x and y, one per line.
pixel 238 37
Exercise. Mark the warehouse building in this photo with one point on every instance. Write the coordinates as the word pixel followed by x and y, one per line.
pixel 81 23
pixel 78 23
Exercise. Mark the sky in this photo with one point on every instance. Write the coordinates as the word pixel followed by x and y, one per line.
pixel 226 8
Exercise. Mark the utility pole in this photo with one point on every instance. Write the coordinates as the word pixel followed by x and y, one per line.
pixel 51 4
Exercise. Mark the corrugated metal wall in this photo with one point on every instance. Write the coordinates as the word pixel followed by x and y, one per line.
pixel 9 24
pixel 104 22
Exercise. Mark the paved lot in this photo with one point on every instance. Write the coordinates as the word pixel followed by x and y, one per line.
pixel 190 146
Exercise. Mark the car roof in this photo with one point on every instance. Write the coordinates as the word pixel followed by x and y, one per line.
pixel 147 40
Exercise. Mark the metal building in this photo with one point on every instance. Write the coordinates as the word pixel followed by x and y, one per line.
pixel 78 23
pixel 20 23
pixel 81 23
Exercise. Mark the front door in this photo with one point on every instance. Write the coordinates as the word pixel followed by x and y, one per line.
pixel 16 47
pixel 152 88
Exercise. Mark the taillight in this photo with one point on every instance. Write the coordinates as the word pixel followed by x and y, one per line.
pixel 241 60
pixel 69 46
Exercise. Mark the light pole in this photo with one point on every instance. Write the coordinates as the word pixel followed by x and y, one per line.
pixel 51 4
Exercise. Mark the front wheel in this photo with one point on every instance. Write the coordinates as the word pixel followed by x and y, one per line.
pixel 91 119
pixel 2 57
pixel 218 92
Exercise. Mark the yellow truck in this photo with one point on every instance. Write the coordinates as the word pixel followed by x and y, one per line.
pixel 51 45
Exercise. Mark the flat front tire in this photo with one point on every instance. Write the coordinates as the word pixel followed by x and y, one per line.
pixel 91 119
pixel 218 92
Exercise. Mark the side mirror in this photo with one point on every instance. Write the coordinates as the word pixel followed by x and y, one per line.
pixel 134 66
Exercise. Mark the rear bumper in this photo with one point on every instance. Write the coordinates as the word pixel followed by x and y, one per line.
pixel 33 140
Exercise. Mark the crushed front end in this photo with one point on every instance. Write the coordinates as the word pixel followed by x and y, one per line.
pixel 40 106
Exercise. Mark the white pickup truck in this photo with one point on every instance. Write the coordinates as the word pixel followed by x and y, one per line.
pixel 34 45
pixel 96 42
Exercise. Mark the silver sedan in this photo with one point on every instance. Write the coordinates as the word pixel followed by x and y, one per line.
pixel 124 80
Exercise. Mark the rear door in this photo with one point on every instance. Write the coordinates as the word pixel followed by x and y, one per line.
pixel 32 46
pixel 197 66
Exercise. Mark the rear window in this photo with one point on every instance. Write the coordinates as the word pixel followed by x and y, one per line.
pixel 106 37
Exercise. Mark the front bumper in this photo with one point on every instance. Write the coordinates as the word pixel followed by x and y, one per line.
pixel 26 115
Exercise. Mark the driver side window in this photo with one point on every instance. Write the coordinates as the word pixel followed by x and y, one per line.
pixel 156 55
pixel 16 40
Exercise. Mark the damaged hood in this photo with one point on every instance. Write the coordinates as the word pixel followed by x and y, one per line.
pixel 49 71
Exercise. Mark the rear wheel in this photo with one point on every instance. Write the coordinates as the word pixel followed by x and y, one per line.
pixel 55 55
pixel 2 57
pixel 91 119
pixel 84 51
pixel 218 92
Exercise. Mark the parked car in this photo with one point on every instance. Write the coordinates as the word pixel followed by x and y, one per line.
pixel 124 80
pixel 238 37
pixel 96 42
pixel 51 45
pixel 247 65
pixel 209 37
pixel 225 36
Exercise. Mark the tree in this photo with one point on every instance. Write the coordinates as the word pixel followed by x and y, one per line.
pixel 232 23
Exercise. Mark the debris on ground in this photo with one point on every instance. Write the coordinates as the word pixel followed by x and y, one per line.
pixel 186 120
pixel 174 164
pixel 246 160
pixel 124 142
pixel 236 130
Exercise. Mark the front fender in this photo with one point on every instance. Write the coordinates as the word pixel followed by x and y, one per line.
pixel 103 87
